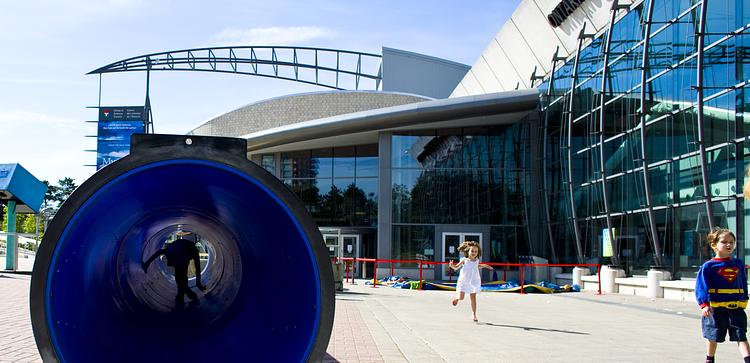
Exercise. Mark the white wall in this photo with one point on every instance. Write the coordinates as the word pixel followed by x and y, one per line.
pixel 526 41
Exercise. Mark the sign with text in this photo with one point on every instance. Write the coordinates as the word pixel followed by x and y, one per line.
pixel 607 239
pixel 116 124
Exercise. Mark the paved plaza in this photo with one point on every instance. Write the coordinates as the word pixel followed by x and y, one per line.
pixel 393 325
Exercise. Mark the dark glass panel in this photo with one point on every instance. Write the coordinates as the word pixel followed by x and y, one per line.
pixel 563 79
pixel 721 171
pixel 410 243
pixel 322 163
pixel 587 96
pixel 689 181
pixel 267 162
pixel 672 89
pixel 690 226
pixel 343 162
pixel 367 210
pixel 660 183
pixel 591 59
pixel 673 44
pixel 407 148
pixel 506 244
pixel 666 10
pixel 624 74
pixel 720 67
pixel 719 119
pixel 367 160
pixel 626 33
pixel 296 164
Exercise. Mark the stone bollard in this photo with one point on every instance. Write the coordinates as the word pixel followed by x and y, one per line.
pixel 654 279
pixel 577 273
pixel 608 276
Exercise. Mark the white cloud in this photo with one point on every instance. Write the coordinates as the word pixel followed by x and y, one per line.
pixel 272 35
pixel 118 154
pixel 22 120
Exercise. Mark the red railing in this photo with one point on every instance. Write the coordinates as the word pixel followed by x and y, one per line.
pixel 348 261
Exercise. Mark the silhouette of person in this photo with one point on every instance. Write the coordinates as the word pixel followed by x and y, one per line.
pixel 179 253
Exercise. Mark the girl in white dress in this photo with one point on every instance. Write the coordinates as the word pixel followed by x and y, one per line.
pixel 469 279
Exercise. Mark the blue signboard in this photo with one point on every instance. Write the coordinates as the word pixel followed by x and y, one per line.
pixel 116 124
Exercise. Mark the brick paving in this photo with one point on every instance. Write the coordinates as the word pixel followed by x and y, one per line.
pixel 16 337
pixel 350 341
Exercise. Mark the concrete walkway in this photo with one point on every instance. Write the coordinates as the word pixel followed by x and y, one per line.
pixel 393 325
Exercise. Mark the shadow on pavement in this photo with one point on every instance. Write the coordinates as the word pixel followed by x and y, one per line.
pixel 528 328
pixel 329 359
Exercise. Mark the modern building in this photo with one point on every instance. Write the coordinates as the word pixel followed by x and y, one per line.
pixel 587 131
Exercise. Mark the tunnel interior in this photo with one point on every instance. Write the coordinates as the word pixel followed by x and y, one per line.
pixel 262 300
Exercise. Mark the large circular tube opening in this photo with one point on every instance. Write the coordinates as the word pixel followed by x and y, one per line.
pixel 263 296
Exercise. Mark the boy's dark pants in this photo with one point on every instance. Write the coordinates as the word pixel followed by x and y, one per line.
pixel 715 327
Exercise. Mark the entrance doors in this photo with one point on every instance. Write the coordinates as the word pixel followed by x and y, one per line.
pixel 451 242
pixel 343 245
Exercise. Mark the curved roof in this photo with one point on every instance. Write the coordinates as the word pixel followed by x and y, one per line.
pixel 289 110
pixel 493 108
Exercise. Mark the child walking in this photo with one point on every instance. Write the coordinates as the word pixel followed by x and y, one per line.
pixel 721 291
pixel 469 279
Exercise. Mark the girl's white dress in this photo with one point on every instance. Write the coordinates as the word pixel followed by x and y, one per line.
pixel 469 280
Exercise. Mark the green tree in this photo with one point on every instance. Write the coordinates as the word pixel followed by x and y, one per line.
pixel 55 196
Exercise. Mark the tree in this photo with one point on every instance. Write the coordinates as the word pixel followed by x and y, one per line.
pixel 55 196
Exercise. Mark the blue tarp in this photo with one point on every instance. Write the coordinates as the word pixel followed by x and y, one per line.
pixel 492 286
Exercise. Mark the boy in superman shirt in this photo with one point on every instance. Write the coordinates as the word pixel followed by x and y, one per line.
pixel 721 291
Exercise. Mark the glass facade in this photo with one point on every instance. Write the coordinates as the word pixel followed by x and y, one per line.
pixel 338 186
pixel 644 136
pixel 464 176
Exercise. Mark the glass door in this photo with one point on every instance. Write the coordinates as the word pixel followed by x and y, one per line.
pixel 451 242
pixel 343 245
pixel 350 248
pixel 332 243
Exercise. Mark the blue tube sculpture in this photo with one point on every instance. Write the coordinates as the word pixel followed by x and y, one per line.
pixel 92 300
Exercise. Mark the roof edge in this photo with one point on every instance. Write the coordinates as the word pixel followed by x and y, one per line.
pixel 397 116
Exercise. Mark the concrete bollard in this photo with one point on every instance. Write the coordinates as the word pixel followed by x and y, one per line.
pixel 577 273
pixel 654 279
pixel 609 274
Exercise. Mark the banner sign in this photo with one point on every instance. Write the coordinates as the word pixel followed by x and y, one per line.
pixel 116 124
pixel 607 250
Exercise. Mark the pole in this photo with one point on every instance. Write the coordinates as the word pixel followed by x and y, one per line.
pixel 11 247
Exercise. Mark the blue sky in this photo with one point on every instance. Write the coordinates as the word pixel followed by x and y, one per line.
pixel 47 47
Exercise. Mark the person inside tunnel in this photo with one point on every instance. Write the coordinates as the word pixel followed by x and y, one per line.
pixel 179 253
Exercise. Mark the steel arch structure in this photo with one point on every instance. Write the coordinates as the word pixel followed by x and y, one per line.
pixel 331 68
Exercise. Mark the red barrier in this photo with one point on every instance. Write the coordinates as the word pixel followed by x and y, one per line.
pixel 348 261
pixel 374 270
pixel 521 267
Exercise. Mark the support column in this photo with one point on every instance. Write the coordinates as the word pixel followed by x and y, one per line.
pixel 699 87
pixel 545 162
pixel 644 156
pixel 579 248
pixel 385 200
pixel 11 247
pixel 603 164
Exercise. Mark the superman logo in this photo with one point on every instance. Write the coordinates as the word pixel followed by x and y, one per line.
pixel 729 273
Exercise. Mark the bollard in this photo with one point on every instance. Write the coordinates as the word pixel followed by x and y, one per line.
pixel 91 300
pixel 608 276
pixel 577 273
pixel 654 278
